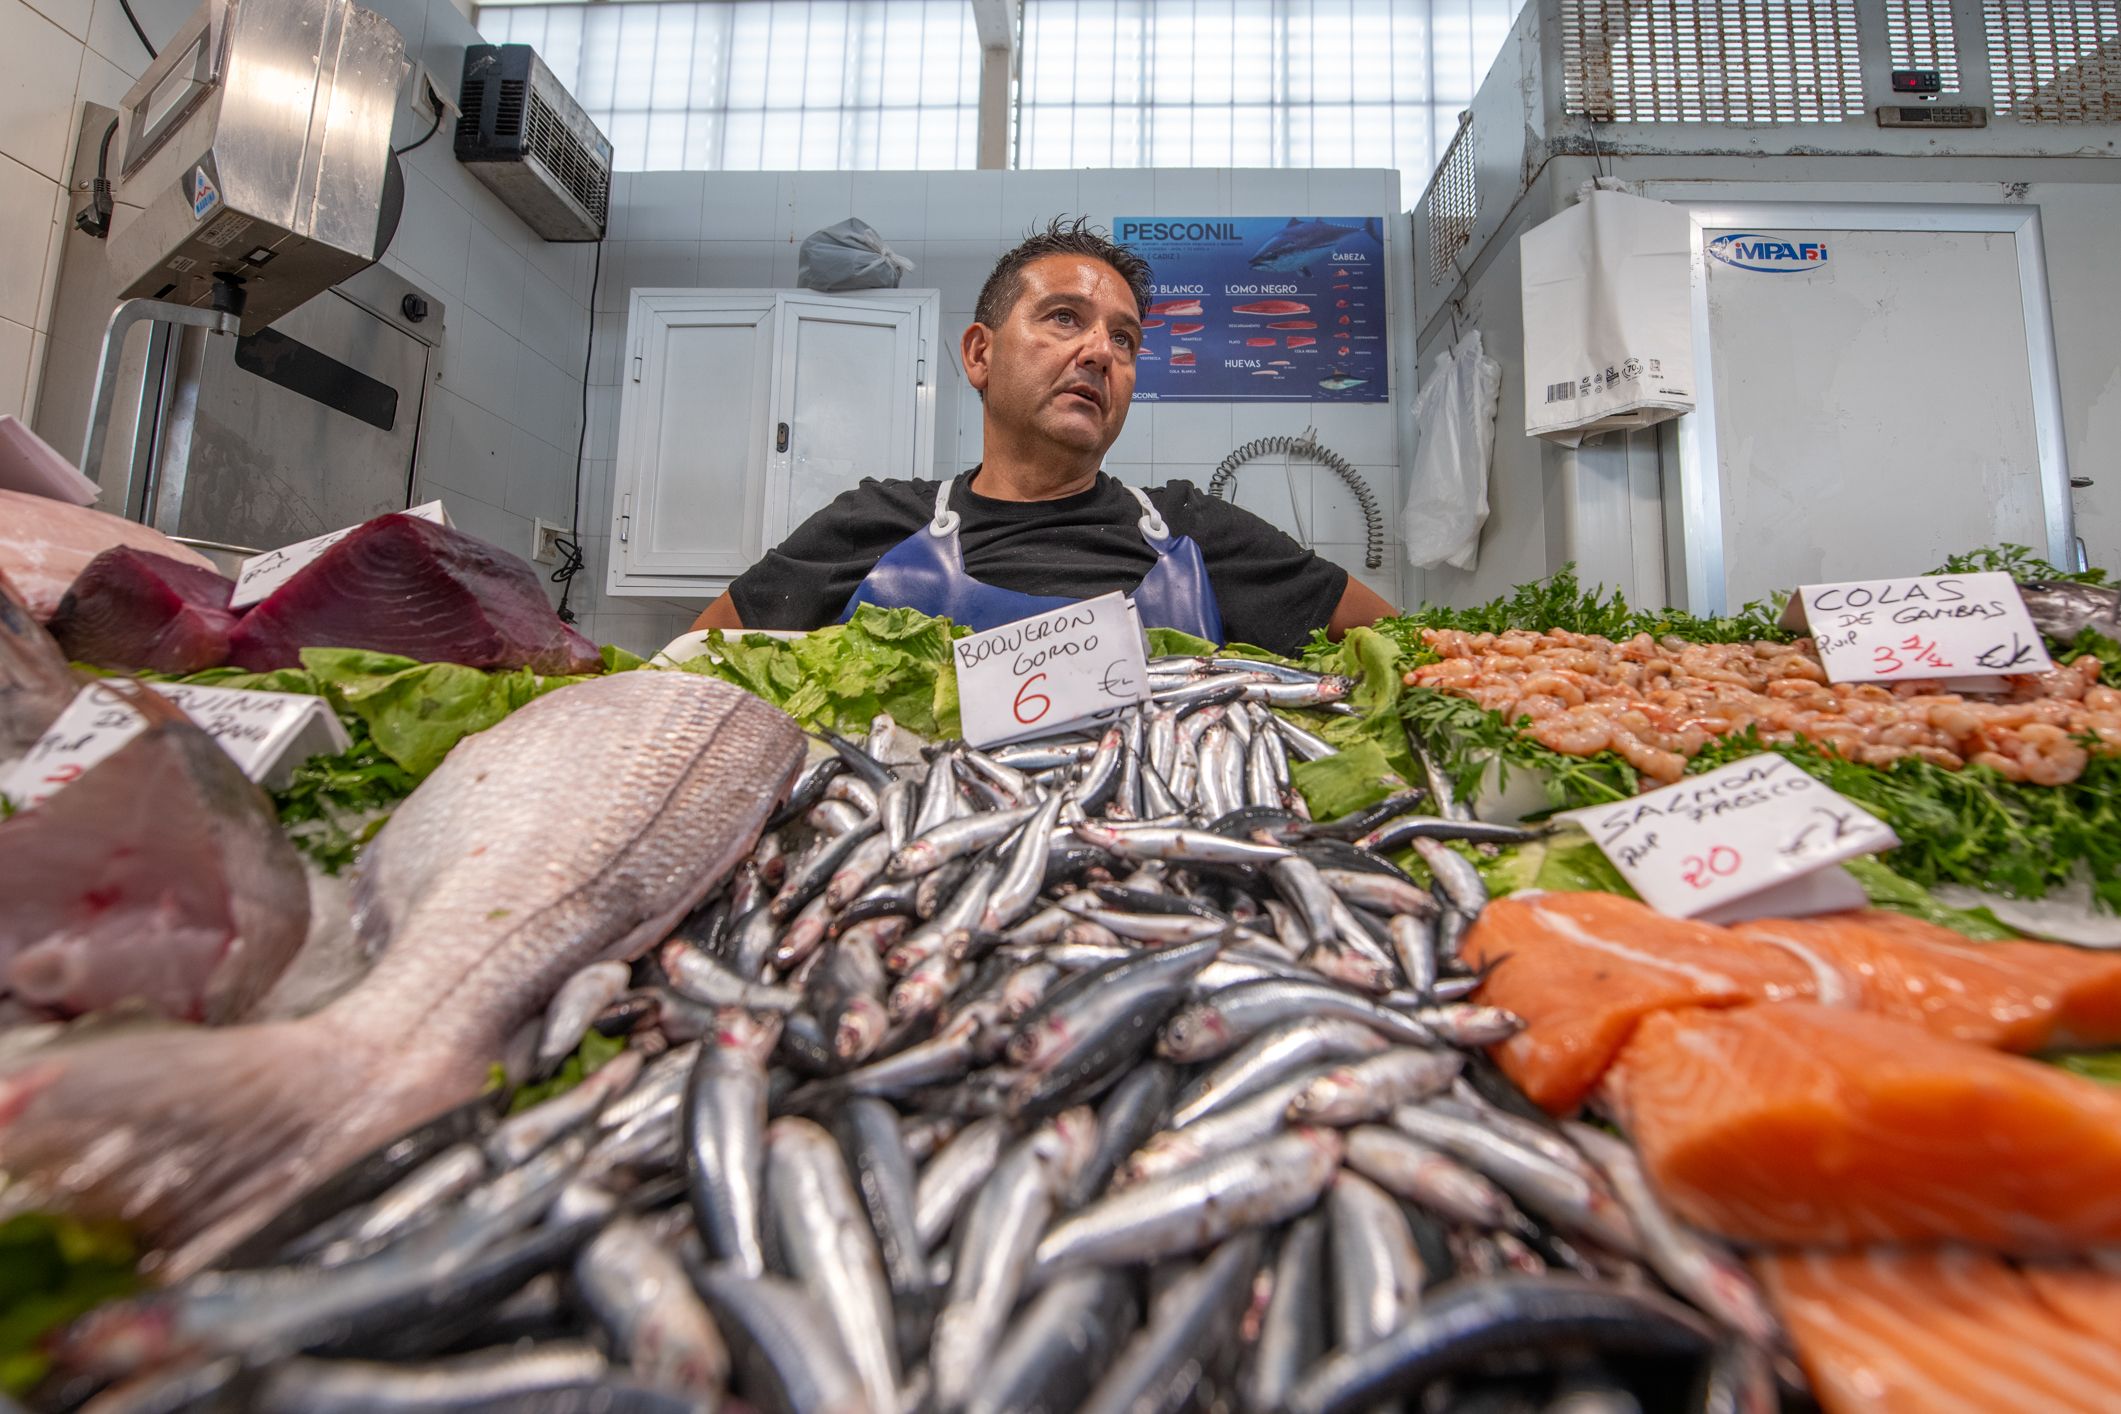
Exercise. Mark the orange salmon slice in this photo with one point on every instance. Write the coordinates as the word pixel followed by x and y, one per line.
pixel 1583 969
pixel 1804 1124
pixel 1889 1330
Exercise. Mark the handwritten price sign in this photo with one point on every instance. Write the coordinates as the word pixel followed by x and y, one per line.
pixel 267 733
pixel 1050 671
pixel 1926 626
pixel 1739 841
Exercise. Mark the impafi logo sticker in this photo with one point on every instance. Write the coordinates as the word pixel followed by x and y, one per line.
pixel 1748 251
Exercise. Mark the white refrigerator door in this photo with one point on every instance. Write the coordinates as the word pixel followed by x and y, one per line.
pixel 1879 392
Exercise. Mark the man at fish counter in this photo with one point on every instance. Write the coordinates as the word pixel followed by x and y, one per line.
pixel 1038 524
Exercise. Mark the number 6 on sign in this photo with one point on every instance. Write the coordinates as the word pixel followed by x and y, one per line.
pixel 1025 713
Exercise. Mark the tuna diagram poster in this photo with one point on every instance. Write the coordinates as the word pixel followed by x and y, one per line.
pixel 1275 309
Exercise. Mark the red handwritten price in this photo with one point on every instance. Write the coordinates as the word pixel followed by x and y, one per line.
pixel 1919 652
pixel 1701 870
pixel 1025 696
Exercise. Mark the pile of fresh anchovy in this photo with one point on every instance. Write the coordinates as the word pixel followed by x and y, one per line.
pixel 1083 1073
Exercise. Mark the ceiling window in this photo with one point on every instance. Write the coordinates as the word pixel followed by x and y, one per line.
pixel 764 84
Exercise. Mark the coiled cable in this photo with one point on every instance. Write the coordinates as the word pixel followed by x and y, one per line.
pixel 1307 446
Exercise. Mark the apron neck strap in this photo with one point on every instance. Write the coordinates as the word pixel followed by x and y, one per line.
pixel 1152 524
pixel 945 521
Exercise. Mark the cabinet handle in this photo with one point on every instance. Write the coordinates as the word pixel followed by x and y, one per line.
pixel 780 439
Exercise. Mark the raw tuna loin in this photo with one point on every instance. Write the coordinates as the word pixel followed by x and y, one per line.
pixel 147 613
pixel 404 585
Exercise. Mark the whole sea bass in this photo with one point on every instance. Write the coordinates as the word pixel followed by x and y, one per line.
pixel 583 827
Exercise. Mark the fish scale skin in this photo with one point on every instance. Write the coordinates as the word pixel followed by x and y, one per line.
pixel 601 812
pixel 674 769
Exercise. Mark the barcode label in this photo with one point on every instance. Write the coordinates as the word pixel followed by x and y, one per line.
pixel 1561 392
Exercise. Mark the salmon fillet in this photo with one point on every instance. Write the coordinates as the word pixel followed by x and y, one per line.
pixel 2085 1294
pixel 1582 969
pixel 1805 1124
pixel 2083 986
pixel 1886 1330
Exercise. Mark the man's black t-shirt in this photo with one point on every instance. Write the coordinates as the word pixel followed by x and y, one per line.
pixel 1271 590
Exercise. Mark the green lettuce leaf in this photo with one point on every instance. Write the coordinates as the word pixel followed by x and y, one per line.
pixel 1170 643
pixel 1357 776
pixel 1886 889
pixel 53 1269
pixel 2102 1066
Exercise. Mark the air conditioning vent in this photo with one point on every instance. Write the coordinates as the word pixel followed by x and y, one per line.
pixel 1454 205
pixel 1919 34
pixel 2055 61
pixel 508 117
pixel 1700 61
pixel 524 136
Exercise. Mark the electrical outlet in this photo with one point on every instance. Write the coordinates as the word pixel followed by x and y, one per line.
pixel 544 541
pixel 430 99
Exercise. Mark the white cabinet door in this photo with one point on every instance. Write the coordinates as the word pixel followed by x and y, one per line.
pixel 841 409
pixel 687 497
pixel 742 412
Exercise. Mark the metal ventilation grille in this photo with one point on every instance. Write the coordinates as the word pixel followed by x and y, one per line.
pixel 471 101
pixel 1711 61
pixel 1454 202
pixel 1920 35
pixel 2055 61
pixel 508 114
pixel 570 163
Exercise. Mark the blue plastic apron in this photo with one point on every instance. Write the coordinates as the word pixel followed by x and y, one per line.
pixel 926 571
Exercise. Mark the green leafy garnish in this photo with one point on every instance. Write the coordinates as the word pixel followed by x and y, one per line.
pixel 53 1269
pixel 588 1058
pixel 1561 602
pixel 1886 889
pixel 1356 776
pixel 2102 1066
pixel 333 805
pixel 2017 561
pixel 841 676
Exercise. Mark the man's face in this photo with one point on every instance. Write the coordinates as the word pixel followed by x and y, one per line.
pixel 1061 366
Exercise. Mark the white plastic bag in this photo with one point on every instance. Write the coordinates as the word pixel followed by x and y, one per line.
pixel 1454 429
pixel 1608 318
pixel 848 256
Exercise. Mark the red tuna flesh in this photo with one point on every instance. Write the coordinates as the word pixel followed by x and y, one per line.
pixel 45 544
pixel 146 612
pixel 400 584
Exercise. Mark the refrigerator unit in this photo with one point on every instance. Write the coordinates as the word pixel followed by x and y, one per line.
pixel 1949 373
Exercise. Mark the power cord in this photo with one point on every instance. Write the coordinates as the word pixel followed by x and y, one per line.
pixel 134 20
pixel 95 221
pixel 432 129
pixel 570 552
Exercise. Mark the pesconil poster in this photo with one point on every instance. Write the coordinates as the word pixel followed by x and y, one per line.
pixel 1261 308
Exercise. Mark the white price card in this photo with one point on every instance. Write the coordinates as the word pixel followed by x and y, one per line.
pixel 267 734
pixel 1753 838
pixel 262 574
pixel 1952 626
pixel 1051 671
pixel 94 725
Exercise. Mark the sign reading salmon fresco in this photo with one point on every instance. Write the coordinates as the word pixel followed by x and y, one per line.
pixel 1756 838
pixel 1261 308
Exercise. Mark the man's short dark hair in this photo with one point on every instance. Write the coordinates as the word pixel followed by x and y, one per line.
pixel 1061 237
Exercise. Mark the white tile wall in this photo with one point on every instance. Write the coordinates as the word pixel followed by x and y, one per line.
pixel 954 225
